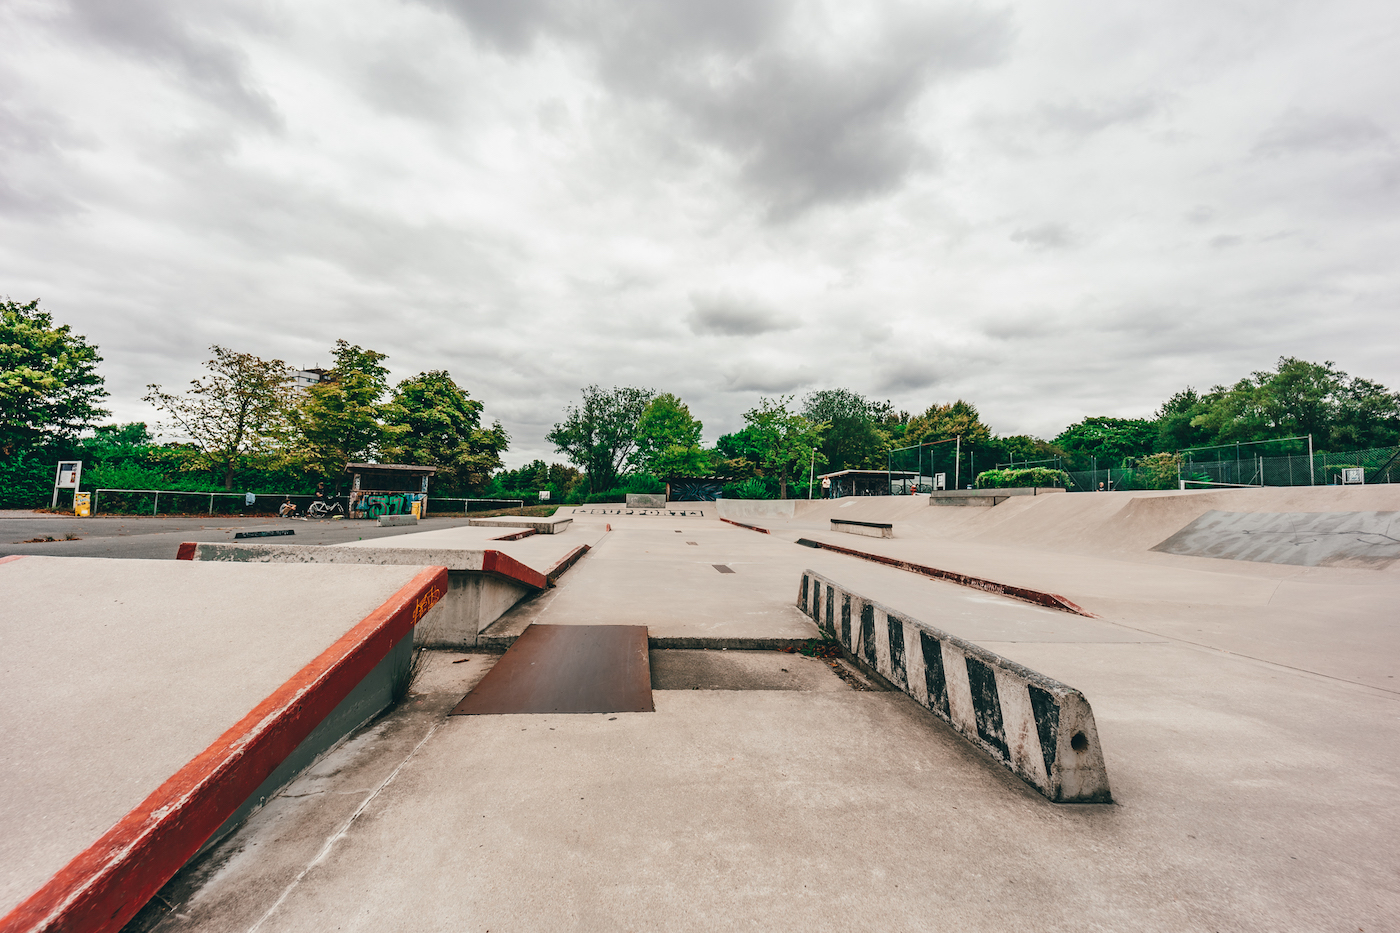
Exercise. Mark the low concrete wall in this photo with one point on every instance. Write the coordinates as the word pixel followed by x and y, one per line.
pixel 765 508
pixel 389 520
pixel 1001 493
pixel 546 525
pixel 1038 728
pixel 647 500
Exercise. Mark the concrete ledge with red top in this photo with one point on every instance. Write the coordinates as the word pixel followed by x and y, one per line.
pixel 151 705
pixel 1040 729
pixel 485 579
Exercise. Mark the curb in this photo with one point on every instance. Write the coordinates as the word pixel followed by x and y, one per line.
pixel 763 531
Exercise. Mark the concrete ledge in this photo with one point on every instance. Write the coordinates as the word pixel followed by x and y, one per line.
pixel 869 529
pixel 1040 598
pixel 346 685
pixel 1041 730
pixel 637 500
pixel 386 521
pixel 547 525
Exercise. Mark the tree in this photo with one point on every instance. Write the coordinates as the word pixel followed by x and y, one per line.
pixel 668 439
pixel 49 384
pixel 1296 398
pixel 339 420
pixel 945 422
pixel 236 413
pixel 1109 441
pixel 600 434
pixel 782 438
pixel 434 422
pixel 853 439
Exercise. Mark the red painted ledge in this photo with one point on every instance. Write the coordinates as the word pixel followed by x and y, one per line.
pixel 106 885
pixel 764 531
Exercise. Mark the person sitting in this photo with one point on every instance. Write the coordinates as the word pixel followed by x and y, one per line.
pixel 287 509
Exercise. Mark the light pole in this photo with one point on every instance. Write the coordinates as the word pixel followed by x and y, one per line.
pixel 812 473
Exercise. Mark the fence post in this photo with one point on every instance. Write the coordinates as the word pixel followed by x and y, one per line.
pixel 1312 474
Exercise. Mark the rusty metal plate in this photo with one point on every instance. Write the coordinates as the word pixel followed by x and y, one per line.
pixel 567 669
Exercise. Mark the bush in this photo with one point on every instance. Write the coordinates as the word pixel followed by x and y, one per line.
pixel 757 487
pixel 1012 479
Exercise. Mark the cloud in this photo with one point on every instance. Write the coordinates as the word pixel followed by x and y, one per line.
pixel 810 103
pixel 1297 132
pixel 907 375
pixel 724 316
pixel 186 40
pixel 1044 236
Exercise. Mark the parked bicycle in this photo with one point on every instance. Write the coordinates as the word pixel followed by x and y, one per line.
pixel 319 509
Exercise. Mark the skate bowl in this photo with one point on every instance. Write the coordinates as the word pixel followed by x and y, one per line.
pixel 183 696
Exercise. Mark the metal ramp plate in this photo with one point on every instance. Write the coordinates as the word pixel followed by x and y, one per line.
pixel 567 669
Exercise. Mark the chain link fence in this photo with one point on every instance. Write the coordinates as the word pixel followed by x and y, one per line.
pixel 1379 465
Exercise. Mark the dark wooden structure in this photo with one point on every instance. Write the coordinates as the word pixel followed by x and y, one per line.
pixel 388 489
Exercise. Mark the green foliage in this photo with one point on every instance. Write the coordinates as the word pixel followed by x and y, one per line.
pixel 1020 479
pixel 1158 471
pixel 755 487
pixel 637 483
pixel 338 421
pixel 945 422
pixel 600 434
pixel 433 422
pixel 1107 441
pixel 49 384
pixel 854 438
pixel 234 416
pixel 782 439
pixel 668 440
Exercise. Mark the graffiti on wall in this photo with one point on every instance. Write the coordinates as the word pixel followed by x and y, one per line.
pixel 373 505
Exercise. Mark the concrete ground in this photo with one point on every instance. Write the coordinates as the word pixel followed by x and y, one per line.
pixel 1247 712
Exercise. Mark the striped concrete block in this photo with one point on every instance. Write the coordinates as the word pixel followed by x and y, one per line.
pixel 1039 728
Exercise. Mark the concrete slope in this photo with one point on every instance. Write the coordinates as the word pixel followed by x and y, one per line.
pixel 1308 539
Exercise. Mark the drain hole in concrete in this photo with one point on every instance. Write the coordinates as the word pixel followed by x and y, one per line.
pixel 722 568
pixel 696 543
pixel 1079 742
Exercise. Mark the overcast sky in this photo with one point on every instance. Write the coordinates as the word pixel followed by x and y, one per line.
pixel 1052 210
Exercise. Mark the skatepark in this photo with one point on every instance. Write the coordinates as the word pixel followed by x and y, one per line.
pixel 245 739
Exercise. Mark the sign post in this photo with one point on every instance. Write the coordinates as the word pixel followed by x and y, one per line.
pixel 69 475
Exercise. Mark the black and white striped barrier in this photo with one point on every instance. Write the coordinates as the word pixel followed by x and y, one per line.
pixel 1040 729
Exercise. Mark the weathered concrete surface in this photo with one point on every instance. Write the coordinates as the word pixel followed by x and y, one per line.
pixel 835 810
pixel 740 670
pixel 1308 539
pixel 548 525
pixel 636 500
pixel 392 521
pixel 1247 714
pixel 115 674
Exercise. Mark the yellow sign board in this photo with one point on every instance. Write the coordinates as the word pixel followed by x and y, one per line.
pixel 82 504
